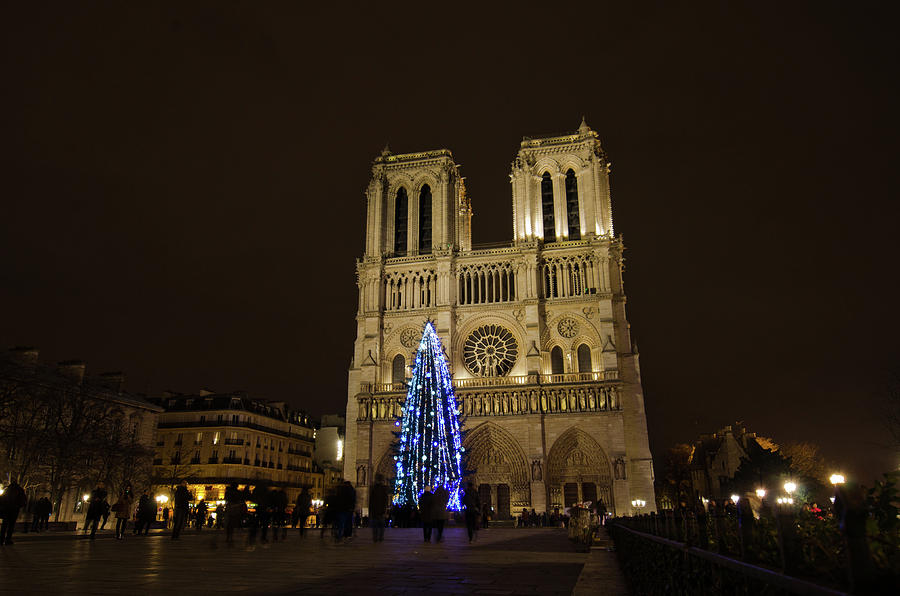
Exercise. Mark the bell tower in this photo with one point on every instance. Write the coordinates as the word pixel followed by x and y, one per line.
pixel 417 205
pixel 560 188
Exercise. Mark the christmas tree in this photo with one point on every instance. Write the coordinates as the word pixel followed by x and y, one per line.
pixel 429 448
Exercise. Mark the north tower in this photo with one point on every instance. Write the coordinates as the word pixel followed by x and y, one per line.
pixel 535 332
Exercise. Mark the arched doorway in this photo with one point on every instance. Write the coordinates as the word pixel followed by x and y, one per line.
pixel 578 470
pixel 498 468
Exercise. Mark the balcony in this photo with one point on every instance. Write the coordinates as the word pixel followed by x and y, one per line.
pixel 213 460
pixel 195 460
pixel 234 441
pixel 518 380
pixel 231 460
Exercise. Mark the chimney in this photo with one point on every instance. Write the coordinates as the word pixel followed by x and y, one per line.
pixel 24 356
pixel 112 380
pixel 73 370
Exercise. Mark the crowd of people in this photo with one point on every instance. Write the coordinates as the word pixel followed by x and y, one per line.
pixel 265 512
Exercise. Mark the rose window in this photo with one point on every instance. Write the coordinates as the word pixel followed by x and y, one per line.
pixel 410 337
pixel 490 351
pixel 568 327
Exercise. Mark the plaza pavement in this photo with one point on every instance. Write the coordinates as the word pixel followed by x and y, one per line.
pixel 501 561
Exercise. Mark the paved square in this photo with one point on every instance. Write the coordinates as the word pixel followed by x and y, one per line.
pixel 502 561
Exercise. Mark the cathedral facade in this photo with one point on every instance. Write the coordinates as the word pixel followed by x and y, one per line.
pixel 534 331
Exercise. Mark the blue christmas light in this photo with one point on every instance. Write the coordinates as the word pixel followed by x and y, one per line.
pixel 429 450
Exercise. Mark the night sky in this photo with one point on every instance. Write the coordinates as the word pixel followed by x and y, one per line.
pixel 183 189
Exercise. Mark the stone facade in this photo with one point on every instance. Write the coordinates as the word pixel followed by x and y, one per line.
pixel 534 331
pixel 211 440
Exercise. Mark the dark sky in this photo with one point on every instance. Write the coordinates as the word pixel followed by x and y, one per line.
pixel 182 189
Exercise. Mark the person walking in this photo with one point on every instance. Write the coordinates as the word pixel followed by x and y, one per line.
pixel 46 509
pixel 346 505
pixel 200 514
pixel 439 514
pixel 165 516
pixel 234 511
pixel 182 499
pixel 97 506
pixel 142 520
pixel 107 509
pixel 11 501
pixel 472 503
pixel 379 499
pixel 426 512
pixel 301 510
pixel 123 511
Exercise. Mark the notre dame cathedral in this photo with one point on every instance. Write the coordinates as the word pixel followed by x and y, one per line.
pixel 534 331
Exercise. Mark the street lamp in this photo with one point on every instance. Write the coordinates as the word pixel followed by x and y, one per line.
pixel 735 499
pixel 761 493
pixel 837 479
pixel 638 504
pixel 790 486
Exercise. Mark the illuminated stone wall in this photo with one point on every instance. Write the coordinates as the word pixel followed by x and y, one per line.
pixel 535 331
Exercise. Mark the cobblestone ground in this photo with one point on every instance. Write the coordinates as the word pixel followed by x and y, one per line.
pixel 501 561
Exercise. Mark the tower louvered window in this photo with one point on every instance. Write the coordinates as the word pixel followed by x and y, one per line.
pixel 547 208
pixel 425 220
pixel 401 216
pixel 572 206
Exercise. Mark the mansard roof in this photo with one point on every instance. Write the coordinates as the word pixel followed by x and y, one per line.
pixel 236 400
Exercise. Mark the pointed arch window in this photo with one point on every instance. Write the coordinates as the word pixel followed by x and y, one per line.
pixel 556 361
pixel 584 358
pixel 425 220
pixel 398 369
pixel 572 206
pixel 547 208
pixel 401 216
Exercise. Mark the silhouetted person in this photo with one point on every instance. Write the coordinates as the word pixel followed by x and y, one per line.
pixel 200 514
pixel 439 514
pixel 11 501
pixel 97 506
pixel 426 512
pixel 472 503
pixel 379 499
pixel 234 511
pixel 123 511
pixel 263 513
pixel 346 504
pixel 106 511
pixel 41 514
pixel 301 510
pixel 182 502
pixel 145 515
pixel 279 502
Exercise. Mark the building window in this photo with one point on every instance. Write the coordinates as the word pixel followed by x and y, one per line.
pixel 216 438
pixel 425 220
pixel 199 439
pixel 584 358
pixel 398 369
pixel 572 206
pixel 547 208
pixel 202 419
pixel 556 361
pixel 401 215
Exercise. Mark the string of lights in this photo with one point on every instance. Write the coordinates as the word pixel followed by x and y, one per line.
pixel 429 451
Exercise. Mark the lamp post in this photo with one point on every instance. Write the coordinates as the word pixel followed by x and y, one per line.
pixel 761 493
pixel 638 504
pixel 837 479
